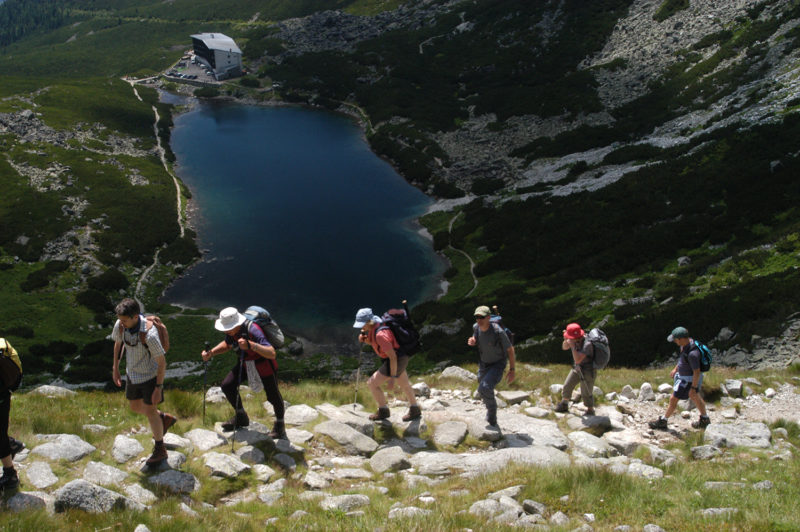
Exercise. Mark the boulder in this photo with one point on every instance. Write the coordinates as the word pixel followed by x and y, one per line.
pixel 40 475
pixel 459 373
pixel 344 503
pixel 646 392
pixel 53 391
pixel 82 495
pixel 591 445
pixel 224 465
pixel 514 397
pixel 125 448
pixel 176 481
pixel 300 415
pixel 30 500
pixel 389 459
pixel 204 440
pixel 354 418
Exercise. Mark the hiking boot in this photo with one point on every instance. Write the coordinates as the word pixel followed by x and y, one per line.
pixel 15 445
pixel 562 406
pixel 414 412
pixel 158 456
pixel 167 420
pixel 659 424
pixel 9 481
pixel 239 420
pixel 589 412
pixel 278 431
pixel 382 413
pixel 491 419
pixel 701 423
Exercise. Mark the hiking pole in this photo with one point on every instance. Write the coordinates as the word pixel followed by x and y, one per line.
pixel 238 399
pixel 358 374
pixel 205 381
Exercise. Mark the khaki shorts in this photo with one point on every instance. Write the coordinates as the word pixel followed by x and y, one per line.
pixel 143 390
pixel 402 364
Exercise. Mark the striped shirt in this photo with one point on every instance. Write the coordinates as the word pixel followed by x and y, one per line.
pixel 140 365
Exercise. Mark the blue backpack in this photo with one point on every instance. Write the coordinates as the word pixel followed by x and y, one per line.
pixel 705 356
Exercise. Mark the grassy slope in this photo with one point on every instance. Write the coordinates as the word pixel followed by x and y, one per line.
pixel 614 499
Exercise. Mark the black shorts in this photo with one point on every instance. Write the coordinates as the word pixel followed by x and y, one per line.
pixel 143 390
pixel 402 364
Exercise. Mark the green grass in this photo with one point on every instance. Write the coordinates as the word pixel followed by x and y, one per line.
pixel 671 502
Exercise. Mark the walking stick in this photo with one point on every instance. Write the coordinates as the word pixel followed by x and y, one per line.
pixel 358 374
pixel 205 381
pixel 238 399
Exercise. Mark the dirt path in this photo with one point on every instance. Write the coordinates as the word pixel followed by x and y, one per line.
pixel 471 262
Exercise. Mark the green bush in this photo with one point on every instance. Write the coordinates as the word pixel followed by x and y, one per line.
pixel 95 301
pixel 206 92
pixel 109 281
pixel 669 8
pixel 41 278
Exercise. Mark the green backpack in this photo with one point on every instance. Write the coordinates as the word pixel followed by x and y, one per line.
pixel 10 366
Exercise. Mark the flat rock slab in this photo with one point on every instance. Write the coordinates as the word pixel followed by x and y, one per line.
pixel 103 475
pixel 597 425
pixel 300 415
pixel 64 447
pixel 83 495
pixel 352 440
pixel 591 445
pixel 450 433
pixel 204 440
pixel 514 397
pixel 738 435
pixel 53 391
pixel 344 503
pixel 476 464
pixel 542 432
pixel 40 475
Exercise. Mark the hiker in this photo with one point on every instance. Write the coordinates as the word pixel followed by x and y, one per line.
pixel 145 367
pixel 393 369
pixel 260 367
pixel 688 380
pixel 11 376
pixel 494 348
pixel 582 372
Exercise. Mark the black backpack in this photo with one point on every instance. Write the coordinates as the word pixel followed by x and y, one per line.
pixel 406 334
pixel 261 317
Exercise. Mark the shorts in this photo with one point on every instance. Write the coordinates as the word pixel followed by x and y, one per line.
pixel 143 390
pixel 402 364
pixel 683 385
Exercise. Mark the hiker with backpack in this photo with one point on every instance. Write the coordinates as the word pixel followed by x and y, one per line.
pixel 583 371
pixel 256 359
pixel 10 378
pixel 494 349
pixel 384 342
pixel 142 340
pixel 688 377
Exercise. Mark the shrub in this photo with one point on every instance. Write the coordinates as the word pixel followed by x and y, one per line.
pixel 108 281
pixel 41 278
pixel 206 92
pixel 95 301
pixel 247 81
pixel 669 8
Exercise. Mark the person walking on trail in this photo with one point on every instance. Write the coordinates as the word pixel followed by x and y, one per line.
pixel 11 376
pixel 582 372
pixel 393 369
pixel 145 367
pixel 494 350
pixel 688 379
pixel 260 368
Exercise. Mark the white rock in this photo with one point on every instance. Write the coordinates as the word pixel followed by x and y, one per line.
pixel 103 475
pixel 125 448
pixel 300 415
pixel 53 391
pixel 344 503
pixel 64 447
pixel 40 475
pixel 389 459
pixel 459 373
pixel 204 440
pixel 450 433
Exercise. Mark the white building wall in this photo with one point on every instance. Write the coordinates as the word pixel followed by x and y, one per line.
pixel 228 64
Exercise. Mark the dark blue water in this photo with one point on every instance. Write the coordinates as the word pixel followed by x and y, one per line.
pixel 299 216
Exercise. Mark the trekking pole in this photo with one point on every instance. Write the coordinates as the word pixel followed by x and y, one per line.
pixel 205 381
pixel 238 400
pixel 358 375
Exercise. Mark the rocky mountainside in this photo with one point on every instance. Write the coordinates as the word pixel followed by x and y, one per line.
pixel 337 462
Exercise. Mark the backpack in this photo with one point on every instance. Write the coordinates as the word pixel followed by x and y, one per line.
pixel 602 352
pixel 497 319
pixel 10 366
pixel 405 333
pixel 705 356
pixel 261 317
pixel 151 321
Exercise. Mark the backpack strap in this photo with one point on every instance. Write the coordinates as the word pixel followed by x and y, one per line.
pixel 245 332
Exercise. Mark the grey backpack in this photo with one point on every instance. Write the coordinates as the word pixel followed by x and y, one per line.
pixel 602 353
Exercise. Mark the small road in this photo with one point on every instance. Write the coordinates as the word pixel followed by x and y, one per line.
pixel 471 262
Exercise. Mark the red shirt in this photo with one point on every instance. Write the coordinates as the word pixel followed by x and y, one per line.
pixel 382 341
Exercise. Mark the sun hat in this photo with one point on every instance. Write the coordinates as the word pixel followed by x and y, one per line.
pixel 365 315
pixel 678 332
pixel 229 318
pixel 574 331
pixel 482 311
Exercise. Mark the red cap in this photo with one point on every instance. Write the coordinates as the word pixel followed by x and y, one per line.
pixel 573 331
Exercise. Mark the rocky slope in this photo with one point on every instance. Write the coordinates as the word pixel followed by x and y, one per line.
pixel 341 446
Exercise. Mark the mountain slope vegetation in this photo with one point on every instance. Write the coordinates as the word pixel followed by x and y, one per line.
pixel 619 135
